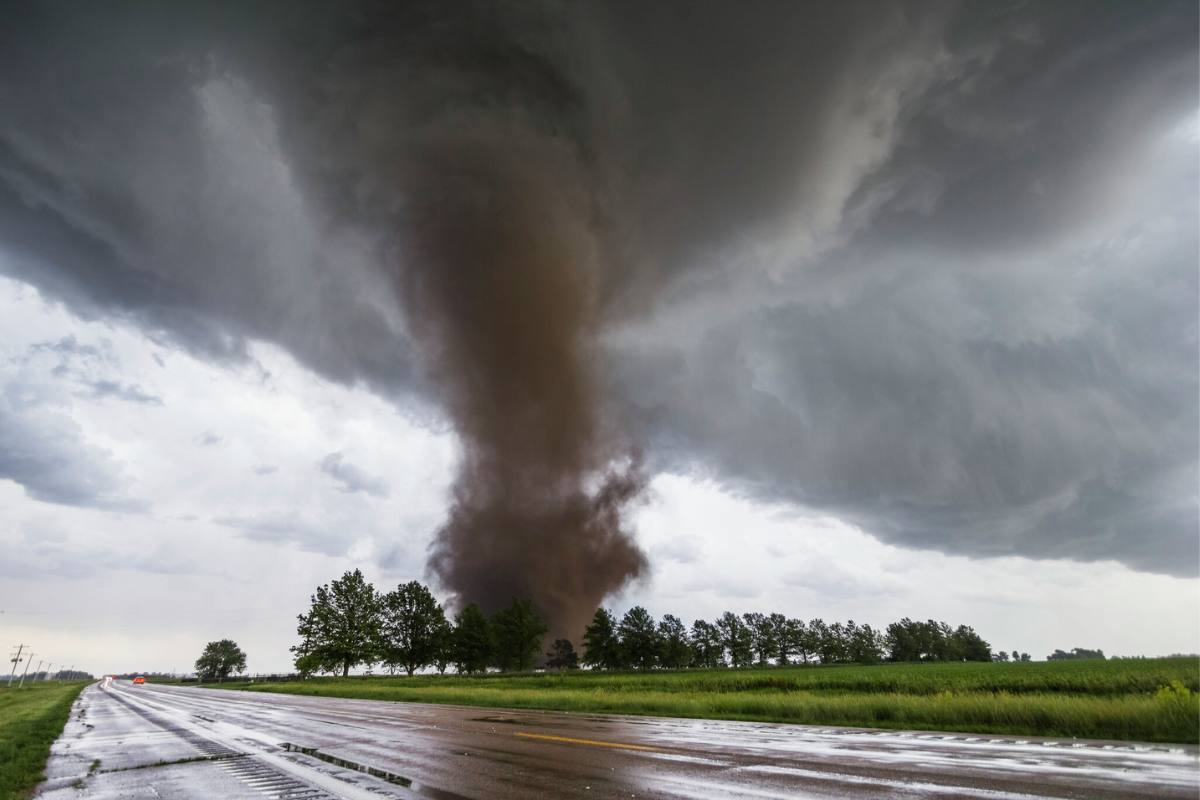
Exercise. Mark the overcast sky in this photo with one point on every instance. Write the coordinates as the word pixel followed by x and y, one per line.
pixel 897 305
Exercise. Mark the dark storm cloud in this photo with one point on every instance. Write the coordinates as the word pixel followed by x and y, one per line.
pixel 931 268
pixel 351 478
pixel 1002 357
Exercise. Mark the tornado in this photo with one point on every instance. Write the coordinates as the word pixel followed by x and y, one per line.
pixel 468 144
pixel 502 286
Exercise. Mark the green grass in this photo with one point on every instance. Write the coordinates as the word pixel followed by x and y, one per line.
pixel 1084 699
pixel 31 718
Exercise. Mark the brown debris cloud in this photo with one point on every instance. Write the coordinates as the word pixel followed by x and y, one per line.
pixel 501 273
pixel 502 286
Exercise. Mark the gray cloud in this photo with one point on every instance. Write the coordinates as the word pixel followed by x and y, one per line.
pixel 264 469
pixel 90 366
pixel 351 478
pixel 208 439
pixel 45 451
pixel 681 549
pixel 929 268
pixel 130 393
pixel 288 528
pixel 47 552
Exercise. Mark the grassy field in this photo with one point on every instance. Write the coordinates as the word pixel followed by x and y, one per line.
pixel 1152 701
pixel 31 718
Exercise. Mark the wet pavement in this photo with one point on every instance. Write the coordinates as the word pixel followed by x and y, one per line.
pixel 173 742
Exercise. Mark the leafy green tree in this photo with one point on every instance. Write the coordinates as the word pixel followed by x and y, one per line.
pixel 220 660
pixel 518 635
pixel 737 639
pixel 639 638
pixel 306 661
pixel 864 645
pixel 410 627
pixel 676 649
pixel 602 648
pixel 341 629
pixel 792 637
pixel 1077 654
pixel 764 638
pixel 902 641
pixel 824 640
pixel 562 655
pixel 443 655
pixel 964 644
pixel 837 642
pixel 473 642
pixel 707 648
pixel 780 651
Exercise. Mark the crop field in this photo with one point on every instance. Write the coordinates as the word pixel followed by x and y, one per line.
pixel 31 718
pixel 1151 700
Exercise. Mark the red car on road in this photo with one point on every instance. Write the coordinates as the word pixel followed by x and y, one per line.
pixel 138 679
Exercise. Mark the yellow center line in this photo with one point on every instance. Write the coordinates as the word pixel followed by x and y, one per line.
pixel 588 741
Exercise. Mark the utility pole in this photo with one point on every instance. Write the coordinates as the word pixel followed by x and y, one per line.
pixel 16 660
pixel 49 667
pixel 37 672
pixel 28 658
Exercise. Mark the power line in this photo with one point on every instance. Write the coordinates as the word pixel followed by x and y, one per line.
pixel 16 659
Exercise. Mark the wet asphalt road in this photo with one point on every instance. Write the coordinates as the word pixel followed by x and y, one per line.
pixel 174 742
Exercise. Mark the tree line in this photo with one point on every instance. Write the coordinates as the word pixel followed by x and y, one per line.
pixel 351 624
pixel 637 641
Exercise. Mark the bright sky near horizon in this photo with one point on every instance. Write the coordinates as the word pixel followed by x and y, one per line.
pixel 756 308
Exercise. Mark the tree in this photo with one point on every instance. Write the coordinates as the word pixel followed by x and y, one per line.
pixel 676 650
pixel 443 644
pixel 967 645
pixel 822 640
pixel 792 638
pixel 707 648
pixel 780 651
pixel 1077 653
pixel 473 644
pixel 518 635
pixel 640 643
pixel 902 641
pixel 865 645
pixel 602 647
pixel 341 629
pixel 736 639
pixel 410 627
pixel 835 643
pixel 219 660
pixel 763 635
pixel 306 661
pixel 562 655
